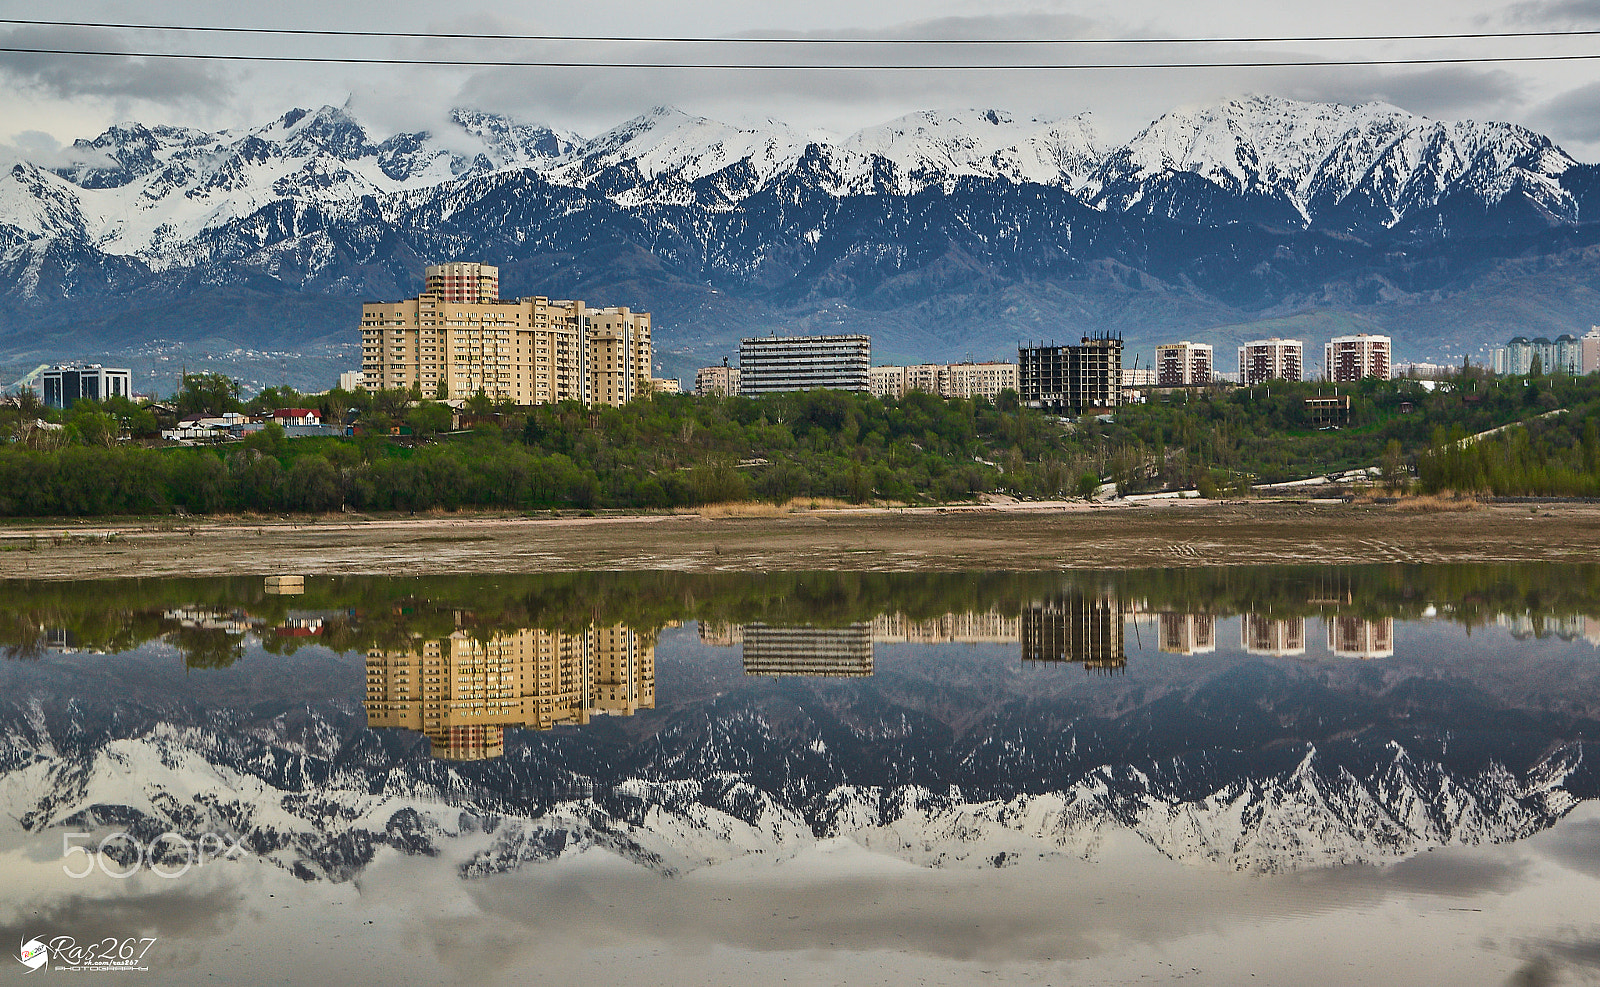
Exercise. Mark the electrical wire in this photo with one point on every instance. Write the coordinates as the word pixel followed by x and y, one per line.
pixel 802 66
pixel 801 40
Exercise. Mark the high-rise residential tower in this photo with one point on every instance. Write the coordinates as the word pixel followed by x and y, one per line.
pixel 457 338
pixel 1271 359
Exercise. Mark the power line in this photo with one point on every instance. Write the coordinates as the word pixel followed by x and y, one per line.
pixel 803 66
pixel 802 40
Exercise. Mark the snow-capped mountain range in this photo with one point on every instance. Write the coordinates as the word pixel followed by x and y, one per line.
pixel 1250 208
pixel 147 192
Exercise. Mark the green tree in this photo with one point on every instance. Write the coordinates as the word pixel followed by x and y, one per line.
pixel 429 419
pixel 207 394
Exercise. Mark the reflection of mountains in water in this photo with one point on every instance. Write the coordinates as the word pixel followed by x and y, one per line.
pixel 1253 768
pixel 461 692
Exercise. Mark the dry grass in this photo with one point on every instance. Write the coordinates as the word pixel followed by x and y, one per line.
pixel 754 508
pixel 1440 503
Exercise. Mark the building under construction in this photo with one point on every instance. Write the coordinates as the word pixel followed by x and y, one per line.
pixel 1072 380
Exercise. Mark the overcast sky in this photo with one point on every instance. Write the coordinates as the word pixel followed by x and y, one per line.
pixel 54 99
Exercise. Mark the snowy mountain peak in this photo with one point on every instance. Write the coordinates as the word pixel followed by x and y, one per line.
pixel 508 142
pixel 982 143
pixel 1285 160
pixel 330 130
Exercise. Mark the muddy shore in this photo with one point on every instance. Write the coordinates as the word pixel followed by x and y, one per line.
pixel 1021 537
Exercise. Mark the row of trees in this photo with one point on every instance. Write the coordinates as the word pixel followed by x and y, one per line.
pixel 677 450
pixel 667 452
pixel 1555 456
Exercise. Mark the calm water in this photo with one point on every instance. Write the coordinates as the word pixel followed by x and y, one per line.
pixel 1285 775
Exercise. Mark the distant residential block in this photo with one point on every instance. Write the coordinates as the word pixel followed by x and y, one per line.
pixel 1347 359
pixel 68 383
pixel 1589 351
pixel 948 380
pixel 1565 354
pixel 1183 364
pixel 458 338
pixel 1271 359
pixel 769 364
pixel 887 382
pixel 723 380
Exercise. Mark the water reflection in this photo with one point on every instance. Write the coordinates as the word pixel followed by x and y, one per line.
pixel 825 651
pixel 1355 637
pixel 1060 618
pixel 1263 634
pixel 1085 628
pixel 1188 633
pixel 828 721
pixel 461 692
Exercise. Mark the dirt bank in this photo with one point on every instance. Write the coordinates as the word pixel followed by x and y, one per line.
pixel 1025 537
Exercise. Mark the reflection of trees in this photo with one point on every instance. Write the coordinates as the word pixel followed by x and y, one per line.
pixel 359 613
pixel 25 644
pixel 207 647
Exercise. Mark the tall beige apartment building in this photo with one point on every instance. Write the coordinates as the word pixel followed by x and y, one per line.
pixel 457 337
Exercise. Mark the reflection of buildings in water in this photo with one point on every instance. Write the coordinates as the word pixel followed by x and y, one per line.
pixel 831 651
pixel 64 641
pixel 897 628
pixel 1260 634
pixel 462 692
pixel 234 621
pixel 1188 633
pixel 1568 627
pixel 1353 637
pixel 721 635
pixel 1077 627
pixel 847 651
pixel 951 628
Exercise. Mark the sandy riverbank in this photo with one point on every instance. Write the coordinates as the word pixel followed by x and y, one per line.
pixel 1004 537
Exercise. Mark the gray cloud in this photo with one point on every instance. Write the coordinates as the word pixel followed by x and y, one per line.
pixel 1576 846
pixel 42 149
pixel 1448 91
pixel 1574 114
pixel 174 912
pixel 167 81
pixel 1014 24
pixel 1557 13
